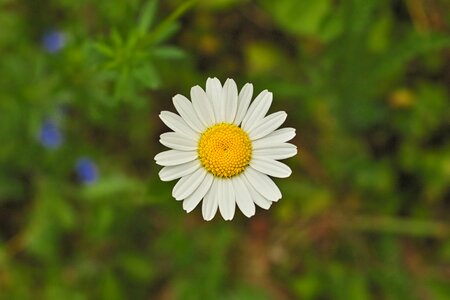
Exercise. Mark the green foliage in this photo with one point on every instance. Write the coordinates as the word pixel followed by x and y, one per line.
pixel 364 215
pixel 129 61
pixel 303 17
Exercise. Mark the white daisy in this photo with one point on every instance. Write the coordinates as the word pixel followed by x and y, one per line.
pixel 224 149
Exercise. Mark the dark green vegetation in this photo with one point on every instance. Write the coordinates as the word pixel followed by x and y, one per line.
pixel 365 214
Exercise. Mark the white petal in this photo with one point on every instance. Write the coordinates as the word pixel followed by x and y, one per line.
pixel 257 197
pixel 188 184
pixel 210 202
pixel 231 97
pixel 271 167
pixel 202 106
pixel 177 141
pixel 257 110
pixel 175 172
pixel 263 184
pixel 275 138
pixel 177 124
pixel 227 202
pixel 187 112
pixel 243 197
pixel 194 199
pixel 214 92
pixel 245 96
pixel 213 88
pixel 267 125
pixel 175 157
pixel 281 151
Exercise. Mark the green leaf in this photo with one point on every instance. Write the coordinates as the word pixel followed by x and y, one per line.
pixel 123 85
pixel 183 8
pixel 302 16
pixel 103 49
pixel 148 16
pixel 168 52
pixel 116 38
pixel 148 76
pixel 409 48
pixel 111 185
pixel 162 35
pixel 168 23
pixel 131 43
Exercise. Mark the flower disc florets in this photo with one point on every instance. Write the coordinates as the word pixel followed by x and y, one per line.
pixel 225 150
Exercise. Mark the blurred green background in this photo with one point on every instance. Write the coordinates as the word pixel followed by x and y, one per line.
pixel 365 215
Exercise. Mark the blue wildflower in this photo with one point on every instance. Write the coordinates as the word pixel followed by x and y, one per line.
pixel 54 41
pixel 86 170
pixel 50 135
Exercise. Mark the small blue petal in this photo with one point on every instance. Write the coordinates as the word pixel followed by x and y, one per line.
pixel 49 135
pixel 54 41
pixel 86 170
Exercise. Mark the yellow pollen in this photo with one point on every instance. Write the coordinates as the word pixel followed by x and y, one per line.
pixel 224 150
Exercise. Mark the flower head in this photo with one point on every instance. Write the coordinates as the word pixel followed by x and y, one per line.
pixel 54 41
pixel 86 170
pixel 50 135
pixel 224 148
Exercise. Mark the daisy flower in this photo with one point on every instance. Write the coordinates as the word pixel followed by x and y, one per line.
pixel 224 148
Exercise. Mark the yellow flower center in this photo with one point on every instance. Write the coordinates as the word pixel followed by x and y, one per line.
pixel 224 150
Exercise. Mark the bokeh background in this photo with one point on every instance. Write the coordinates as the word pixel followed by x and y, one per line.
pixel 365 215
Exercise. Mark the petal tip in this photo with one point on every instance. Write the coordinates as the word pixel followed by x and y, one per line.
pixel 230 80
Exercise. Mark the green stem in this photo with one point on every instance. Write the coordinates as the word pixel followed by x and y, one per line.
pixel 170 19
